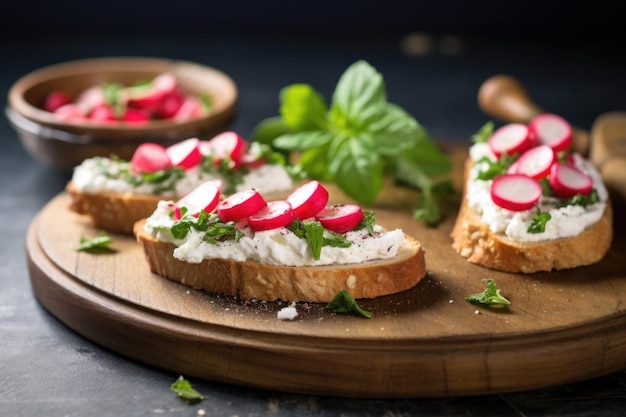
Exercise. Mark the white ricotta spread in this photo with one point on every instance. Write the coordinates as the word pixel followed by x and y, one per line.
pixel 97 175
pixel 274 247
pixel 565 222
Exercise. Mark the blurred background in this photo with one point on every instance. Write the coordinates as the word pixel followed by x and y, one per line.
pixel 433 54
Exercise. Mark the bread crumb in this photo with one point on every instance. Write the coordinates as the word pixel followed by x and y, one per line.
pixel 477 312
pixel 288 313
pixel 201 412
pixel 450 301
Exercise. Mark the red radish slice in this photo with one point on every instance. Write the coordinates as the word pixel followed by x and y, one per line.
pixel 103 113
pixel 190 108
pixel 566 180
pixel 536 162
pixel 551 130
pixel 170 104
pixel 226 145
pixel 276 214
pixel 56 99
pixel 150 95
pixel 308 199
pixel 241 205
pixel 135 116
pixel 515 192
pixel 510 139
pixel 204 197
pixel 185 154
pixel 340 218
pixel 150 157
pixel 90 98
pixel 70 112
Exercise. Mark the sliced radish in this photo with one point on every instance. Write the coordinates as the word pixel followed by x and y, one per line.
pixel 340 218
pixel 276 214
pixel 241 205
pixel 510 139
pixel 150 157
pixel 90 98
pixel 103 113
pixel 70 112
pixel 135 116
pixel 308 199
pixel 149 95
pixel 190 108
pixel 566 180
pixel 205 197
pixel 551 130
pixel 515 192
pixel 56 99
pixel 536 162
pixel 185 154
pixel 226 145
pixel 170 104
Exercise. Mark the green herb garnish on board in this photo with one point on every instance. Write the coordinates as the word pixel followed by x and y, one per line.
pixel 185 391
pixel 491 296
pixel 344 303
pixel 359 140
pixel 100 244
pixel 484 133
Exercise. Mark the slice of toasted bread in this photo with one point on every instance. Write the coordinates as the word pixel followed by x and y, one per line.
pixel 113 212
pixel 254 280
pixel 474 240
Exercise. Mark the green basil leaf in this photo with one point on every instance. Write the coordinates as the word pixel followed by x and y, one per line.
pixel 344 303
pixel 185 391
pixel 302 108
pixel 269 129
pixel 314 233
pixel 359 97
pixel 303 140
pixel 100 244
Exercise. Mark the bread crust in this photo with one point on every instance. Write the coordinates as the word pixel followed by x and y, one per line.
pixel 113 212
pixel 254 280
pixel 473 240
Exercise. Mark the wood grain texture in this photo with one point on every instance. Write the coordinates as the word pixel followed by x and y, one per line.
pixel 425 342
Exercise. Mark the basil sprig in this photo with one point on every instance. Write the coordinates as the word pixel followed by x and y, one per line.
pixel 491 296
pixel 358 140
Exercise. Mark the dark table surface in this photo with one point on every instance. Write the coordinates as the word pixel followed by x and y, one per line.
pixel 46 369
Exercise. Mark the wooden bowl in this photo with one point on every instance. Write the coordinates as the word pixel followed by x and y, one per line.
pixel 64 145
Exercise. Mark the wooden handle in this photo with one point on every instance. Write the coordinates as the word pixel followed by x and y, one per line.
pixel 608 150
pixel 505 98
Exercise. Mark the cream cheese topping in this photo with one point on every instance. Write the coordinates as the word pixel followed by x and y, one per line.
pixel 565 222
pixel 97 175
pixel 274 247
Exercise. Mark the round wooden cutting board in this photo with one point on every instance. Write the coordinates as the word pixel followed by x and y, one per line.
pixel 425 342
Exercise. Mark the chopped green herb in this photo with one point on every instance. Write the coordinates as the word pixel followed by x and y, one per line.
pixel 484 133
pixel 344 303
pixel 185 391
pixel 583 200
pixel 538 225
pixel 214 229
pixel 495 168
pixel 97 245
pixel 490 296
pixel 358 140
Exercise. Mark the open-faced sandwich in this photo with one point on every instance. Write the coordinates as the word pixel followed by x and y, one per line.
pixel 529 204
pixel 116 193
pixel 294 249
